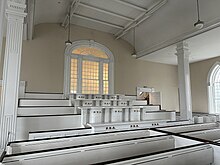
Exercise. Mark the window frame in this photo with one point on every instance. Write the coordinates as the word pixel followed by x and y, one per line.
pixel 210 88
pixel 67 64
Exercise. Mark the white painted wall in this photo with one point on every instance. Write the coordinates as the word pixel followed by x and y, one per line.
pixel 199 73
pixel 43 60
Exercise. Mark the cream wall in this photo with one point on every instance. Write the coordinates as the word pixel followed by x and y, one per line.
pixel 199 73
pixel 43 63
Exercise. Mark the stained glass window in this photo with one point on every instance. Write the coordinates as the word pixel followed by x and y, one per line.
pixel 105 78
pixel 89 72
pixel 90 77
pixel 90 51
pixel 73 76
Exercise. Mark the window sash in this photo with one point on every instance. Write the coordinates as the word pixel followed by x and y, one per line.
pixel 103 84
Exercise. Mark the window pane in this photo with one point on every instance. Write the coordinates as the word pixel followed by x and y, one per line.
pixel 85 50
pixel 105 71
pixel 105 87
pixel 216 87
pixel 73 76
pixel 217 96
pixel 105 78
pixel 90 77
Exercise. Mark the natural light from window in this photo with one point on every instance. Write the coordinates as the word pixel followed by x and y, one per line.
pixel 214 90
pixel 90 70
pixel 90 51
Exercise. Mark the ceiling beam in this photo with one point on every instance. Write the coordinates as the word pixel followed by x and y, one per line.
pixel 98 21
pixel 72 9
pixel 131 5
pixel 106 11
pixel 141 18
pixel 187 35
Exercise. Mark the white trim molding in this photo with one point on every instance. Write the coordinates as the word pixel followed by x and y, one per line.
pixel 69 55
pixel 2 23
pixel 210 86
pixel 15 14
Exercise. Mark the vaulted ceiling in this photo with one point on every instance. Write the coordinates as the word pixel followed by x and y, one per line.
pixel 159 23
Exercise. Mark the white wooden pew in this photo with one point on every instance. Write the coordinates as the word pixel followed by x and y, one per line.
pixel 190 128
pixel 44 102
pixel 42 95
pixel 45 110
pixel 92 153
pixel 52 143
pixel 210 135
pixel 58 133
pixel 194 155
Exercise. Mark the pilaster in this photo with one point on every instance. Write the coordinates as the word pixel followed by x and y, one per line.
pixel 2 22
pixel 184 81
pixel 11 71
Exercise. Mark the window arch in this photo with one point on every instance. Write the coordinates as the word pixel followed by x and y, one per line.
pixel 214 88
pixel 88 68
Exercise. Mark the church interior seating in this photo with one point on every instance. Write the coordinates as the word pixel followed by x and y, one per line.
pixel 108 129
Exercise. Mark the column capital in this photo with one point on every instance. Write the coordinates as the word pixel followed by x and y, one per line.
pixel 182 48
pixel 16 8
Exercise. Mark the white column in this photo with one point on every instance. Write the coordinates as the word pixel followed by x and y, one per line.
pixel 184 81
pixel 11 71
pixel 2 22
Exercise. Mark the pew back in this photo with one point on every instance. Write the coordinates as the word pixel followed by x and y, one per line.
pixel 188 128
pixel 92 153
pixel 35 145
pixel 196 155
pixel 211 135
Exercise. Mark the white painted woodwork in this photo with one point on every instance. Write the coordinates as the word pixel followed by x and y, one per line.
pixel 163 32
pixel 202 154
pixel 11 71
pixel 124 114
pixel 140 18
pixel 2 22
pixel 88 154
pixel 151 108
pixel 72 8
pixel 59 133
pixel 196 155
pixel 216 154
pixel 34 95
pixel 139 102
pixel 68 55
pixel 35 111
pixel 100 127
pixel 45 123
pixel 22 88
pixel 184 81
pixel 30 19
pixel 44 102
pixel 52 143
pixel 191 127
pixel 211 135
pixel 160 115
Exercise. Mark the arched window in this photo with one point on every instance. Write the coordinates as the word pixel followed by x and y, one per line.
pixel 88 68
pixel 214 88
